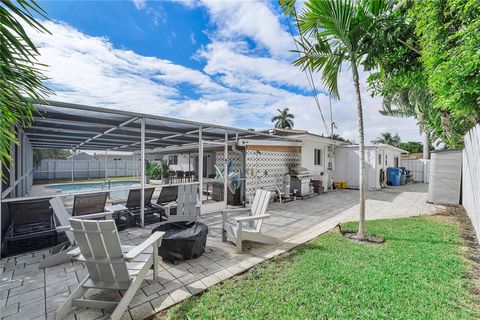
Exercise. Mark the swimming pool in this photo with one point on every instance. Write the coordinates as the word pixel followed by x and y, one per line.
pixel 91 186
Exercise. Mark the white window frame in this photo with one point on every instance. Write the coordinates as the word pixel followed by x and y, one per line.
pixel 173 160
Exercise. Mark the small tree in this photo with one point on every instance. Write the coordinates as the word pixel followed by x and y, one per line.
pixel 333 34
pixel 284 119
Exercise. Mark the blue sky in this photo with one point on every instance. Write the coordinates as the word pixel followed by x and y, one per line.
pixel 224 62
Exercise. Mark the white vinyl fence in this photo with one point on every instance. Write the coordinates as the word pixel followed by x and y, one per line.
pixel 471 177
pixel 417 167
pixel 50 169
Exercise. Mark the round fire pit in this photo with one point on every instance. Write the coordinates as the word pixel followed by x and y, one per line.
pixel 182 240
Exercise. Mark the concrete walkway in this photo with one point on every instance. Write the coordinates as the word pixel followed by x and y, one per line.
pixel 29 293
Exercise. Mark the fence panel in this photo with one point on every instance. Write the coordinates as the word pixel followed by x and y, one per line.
pixel 471 177
pixel 417 167
pixel 50 169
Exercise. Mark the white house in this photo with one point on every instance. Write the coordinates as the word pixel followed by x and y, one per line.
pixel 378 158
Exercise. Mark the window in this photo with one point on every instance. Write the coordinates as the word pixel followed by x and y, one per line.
pixel 386 160
pixel 173 160
pixel 317 157
pixel 379 159
pixel 395 161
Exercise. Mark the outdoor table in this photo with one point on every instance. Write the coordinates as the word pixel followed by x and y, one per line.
pixel 120 212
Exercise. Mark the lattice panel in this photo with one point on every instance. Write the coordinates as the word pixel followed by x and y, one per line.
pixel 234 156
pixel 266 169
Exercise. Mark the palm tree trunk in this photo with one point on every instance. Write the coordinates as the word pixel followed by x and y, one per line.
pixel 361 148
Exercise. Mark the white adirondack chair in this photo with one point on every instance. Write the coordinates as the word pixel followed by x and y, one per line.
pixel 109 268
pixel 188 208
pixel 63 252
pixel 248 227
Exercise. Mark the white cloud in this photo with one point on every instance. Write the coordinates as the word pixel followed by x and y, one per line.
pixel 254 19
pixel 139 4
pixel 208 111
pixel 90 70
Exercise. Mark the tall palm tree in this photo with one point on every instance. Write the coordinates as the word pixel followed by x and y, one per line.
pixel 388 138
pixel 284 119
pixel 333 34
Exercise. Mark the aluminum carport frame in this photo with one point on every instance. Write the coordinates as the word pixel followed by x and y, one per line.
pixel 61 125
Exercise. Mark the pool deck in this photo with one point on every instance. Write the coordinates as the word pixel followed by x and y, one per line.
pixel 29 293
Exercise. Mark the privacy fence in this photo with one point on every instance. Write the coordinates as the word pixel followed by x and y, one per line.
pixel 471 177
pixel 419 168
pixel 50 169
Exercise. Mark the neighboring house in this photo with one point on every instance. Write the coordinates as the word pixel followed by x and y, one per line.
pixel 378 158
pixel 81 156
pixel 115 156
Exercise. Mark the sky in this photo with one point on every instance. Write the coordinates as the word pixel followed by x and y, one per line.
pixel 222 62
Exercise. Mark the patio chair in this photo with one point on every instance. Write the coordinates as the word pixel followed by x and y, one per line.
pixel 89 203
pixel 133 205
pixel 109 267
pixel 248 227
pixel 63 252
pixel 29 219
pixel 186 208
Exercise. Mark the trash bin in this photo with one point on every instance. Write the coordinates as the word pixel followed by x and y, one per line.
pixel 403 176
pixel 394 175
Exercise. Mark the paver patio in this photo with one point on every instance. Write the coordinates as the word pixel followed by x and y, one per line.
pixel 29 293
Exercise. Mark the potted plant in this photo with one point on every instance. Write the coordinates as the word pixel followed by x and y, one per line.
pixel 151 171
pixel 165 171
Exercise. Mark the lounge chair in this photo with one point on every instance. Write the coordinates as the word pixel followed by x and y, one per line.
pixel 89 203
pixel 133 206
pixel 109 267
pixel 186 208
pixel 248 227
pixel 64 252
pixel 168 197
pixel 29 219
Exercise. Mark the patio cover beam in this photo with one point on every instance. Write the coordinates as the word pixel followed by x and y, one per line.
pixel 110 130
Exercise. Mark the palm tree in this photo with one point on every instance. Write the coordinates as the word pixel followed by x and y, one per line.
pixel 333 34
pixel 21 80
pixel 388 138
pixel 284 119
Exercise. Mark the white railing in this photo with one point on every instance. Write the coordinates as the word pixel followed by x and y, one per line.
pixel 471 177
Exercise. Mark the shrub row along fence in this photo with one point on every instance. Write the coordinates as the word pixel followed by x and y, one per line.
pixel 471 177
pixel 50 169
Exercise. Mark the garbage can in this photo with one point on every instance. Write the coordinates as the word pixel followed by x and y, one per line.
pixel 394 175
pixel 403 176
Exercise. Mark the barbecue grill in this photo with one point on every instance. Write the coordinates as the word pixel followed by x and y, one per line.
pixel 300 181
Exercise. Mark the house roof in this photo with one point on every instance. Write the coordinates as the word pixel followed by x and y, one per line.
pixel 382 145
pixel 296 133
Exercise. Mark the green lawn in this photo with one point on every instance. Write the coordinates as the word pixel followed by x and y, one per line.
pixel 418 273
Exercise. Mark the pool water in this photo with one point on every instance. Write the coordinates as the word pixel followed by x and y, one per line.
pixel 91 186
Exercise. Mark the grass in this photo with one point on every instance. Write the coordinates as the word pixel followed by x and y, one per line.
pixel 418 273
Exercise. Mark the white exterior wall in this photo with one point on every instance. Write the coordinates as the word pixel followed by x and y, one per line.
pixel 347 164
pixel 308 156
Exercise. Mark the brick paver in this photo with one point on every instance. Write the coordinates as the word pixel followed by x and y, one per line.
pixel 27 292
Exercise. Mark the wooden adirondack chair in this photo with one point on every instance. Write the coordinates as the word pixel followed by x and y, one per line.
pixel 109 267
pixel 248 227
pixel 187 206
pixel 63 252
